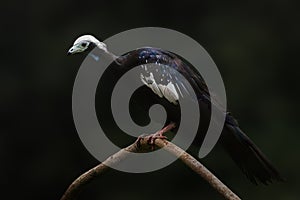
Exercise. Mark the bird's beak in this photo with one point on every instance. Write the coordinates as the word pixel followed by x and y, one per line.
pixel 71 50
pixel 74 49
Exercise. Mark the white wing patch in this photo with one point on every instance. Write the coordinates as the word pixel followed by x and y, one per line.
pixel 151 83
pixel 168 91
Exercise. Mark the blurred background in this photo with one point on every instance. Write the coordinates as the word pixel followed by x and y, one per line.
pixel 255 44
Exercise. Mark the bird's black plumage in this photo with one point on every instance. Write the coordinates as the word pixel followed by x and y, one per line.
pixel 241 149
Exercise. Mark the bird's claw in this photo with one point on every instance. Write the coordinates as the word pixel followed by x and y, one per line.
pixel 152 137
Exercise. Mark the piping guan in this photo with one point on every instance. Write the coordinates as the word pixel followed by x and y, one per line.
pixel 162 86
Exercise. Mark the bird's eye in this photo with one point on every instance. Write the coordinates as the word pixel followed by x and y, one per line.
pixel 84 44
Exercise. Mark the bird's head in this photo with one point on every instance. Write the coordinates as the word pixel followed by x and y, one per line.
pixel 86 43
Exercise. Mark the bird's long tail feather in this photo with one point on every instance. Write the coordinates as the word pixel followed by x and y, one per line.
pixel 248 157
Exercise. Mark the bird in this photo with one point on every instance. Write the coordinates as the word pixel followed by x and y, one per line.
pixel 161 85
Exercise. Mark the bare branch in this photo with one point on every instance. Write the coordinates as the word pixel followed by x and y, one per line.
pixel 197 167
pixel 142 144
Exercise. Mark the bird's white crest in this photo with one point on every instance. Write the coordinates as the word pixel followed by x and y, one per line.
pixel 89 38
pixel 83 42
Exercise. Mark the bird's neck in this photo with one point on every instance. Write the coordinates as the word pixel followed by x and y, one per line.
pixel 111 55
pixel 115 58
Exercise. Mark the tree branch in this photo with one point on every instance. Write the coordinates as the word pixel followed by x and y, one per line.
pixel 142 145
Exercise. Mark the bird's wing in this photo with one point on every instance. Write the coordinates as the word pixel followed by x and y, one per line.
pixel 169 75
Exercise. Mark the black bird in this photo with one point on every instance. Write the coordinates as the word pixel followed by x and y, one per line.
pixel 162 87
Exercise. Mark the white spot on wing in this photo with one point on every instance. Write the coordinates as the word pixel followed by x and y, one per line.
pixel 151 83
pixel 169 92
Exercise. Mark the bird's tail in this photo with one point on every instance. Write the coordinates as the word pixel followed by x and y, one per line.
pixel 248 157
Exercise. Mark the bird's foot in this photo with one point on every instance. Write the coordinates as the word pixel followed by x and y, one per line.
pixel 158 135
pixel 155 136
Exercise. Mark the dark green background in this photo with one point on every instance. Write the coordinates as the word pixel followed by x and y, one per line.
pixel 255 44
